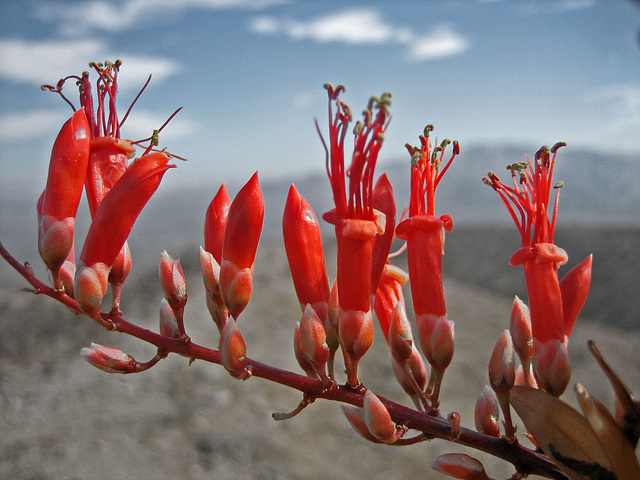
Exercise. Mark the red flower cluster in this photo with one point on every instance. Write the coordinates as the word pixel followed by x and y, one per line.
pixel 89 153
pixel 553 304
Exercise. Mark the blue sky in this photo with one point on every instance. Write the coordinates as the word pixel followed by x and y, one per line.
pixel 249 75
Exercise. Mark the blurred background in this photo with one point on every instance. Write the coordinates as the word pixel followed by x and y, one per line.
pixel 501 77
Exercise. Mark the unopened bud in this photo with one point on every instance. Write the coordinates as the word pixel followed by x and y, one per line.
pixel 122 266
pixel 168 322
pixel 521 329
pixel 355 416
pixel 441 351
pixel 90 286
pixel 400 337
pixel 378 420
pixel 55 240
pixel 487 413
pixel 502 372
pixel 233 351
pixel 302 359
pixel 108 359
pixel 210 275
pixel 551 366
pixel 459 465
pixel 67 275
pixel 173 281
pixel 313 339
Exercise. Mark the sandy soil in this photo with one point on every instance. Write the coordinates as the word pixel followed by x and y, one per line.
pixel 60 418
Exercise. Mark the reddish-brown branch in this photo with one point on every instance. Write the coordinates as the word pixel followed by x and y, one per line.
pixel 525 460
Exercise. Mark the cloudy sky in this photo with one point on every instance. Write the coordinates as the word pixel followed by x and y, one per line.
pixel 249 74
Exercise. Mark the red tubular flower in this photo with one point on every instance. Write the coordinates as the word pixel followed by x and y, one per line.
pixel 423 231
pixel 356 222
pixel 241 237
pixel 528 203
pixel 303 244
pixel 59 203
pixel 112 224
pixel 215 222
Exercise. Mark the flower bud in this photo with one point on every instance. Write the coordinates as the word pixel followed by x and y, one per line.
pixel 459 465
pixel 487 413
pixel 173 281
pixel 400 337
pixel 168 322
pixel 122 266
pixel 313 340
pixel 441 343
pixel 233 351
pixel 302 359
pixel 551 366
pixel 91 283
pixel 502 365
pixel 355 332
pixel 108 359
pixel 575 288
pixel 55 240
pixel 215 222
pixel 241 237
pixel 521 329
pixel 355 416
pixel 377 419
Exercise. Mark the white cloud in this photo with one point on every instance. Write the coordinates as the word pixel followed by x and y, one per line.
pixel 18 126
pixel 619 107
pixel 442 42
pixel 354 26
pixel 46 62
pixel 79 18
pixel 364 27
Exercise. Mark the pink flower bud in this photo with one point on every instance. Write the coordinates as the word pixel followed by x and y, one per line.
pixel 168 322
pixel 109 359
pixel 55 240
pixel 521 329
pixel 91 283
pixel 173 281
pixel 210 274
pixel 400 337
pixel 122 265
pixel 487 413
pixel 241 237
pixel 459 465
pixel 313 340
pixel 233 351
pixel 502 365
pixel 215 222
pixel 378 420
pixel 355 416
pixel 551 366
pixel 436 339
pixel 302 359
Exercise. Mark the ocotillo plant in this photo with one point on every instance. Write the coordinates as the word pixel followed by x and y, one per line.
pixel 89 154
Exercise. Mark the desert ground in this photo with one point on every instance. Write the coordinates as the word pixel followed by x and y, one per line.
pixel 60 418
